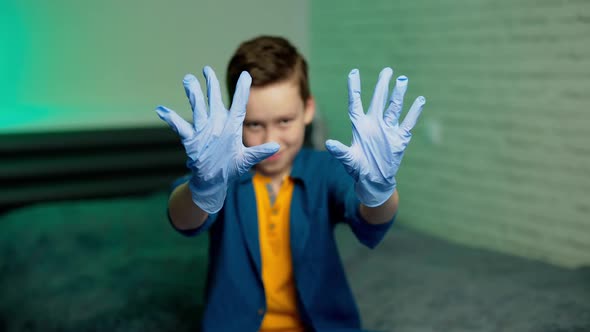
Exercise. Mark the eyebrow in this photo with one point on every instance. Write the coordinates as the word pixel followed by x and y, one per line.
pixel 288 114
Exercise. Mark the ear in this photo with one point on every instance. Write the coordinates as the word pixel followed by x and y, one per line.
pixel 309 110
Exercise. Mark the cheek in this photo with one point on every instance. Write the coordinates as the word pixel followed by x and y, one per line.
pixel 295 135
pixel 251 139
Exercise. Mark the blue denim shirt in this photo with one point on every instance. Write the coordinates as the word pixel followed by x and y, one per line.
pixel 322 197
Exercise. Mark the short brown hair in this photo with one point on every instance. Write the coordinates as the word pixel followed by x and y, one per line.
pixel 268 59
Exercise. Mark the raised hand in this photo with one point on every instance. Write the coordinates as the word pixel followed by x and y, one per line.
pixel 378 139
pixel 213 142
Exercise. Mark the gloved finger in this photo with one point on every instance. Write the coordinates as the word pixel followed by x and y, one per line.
pixel 381 92
pixel 193 91
pixel 413 114
pixel 339 150
pixel 255 154
pixel 178 124
pixel 213 92
pixel 240 100
pixel 355 105
pixel 396 103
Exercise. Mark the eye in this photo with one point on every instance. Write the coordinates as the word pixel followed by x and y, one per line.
pixel 252 125
pixel 285 121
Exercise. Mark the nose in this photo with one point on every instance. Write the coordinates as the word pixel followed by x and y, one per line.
pixel 272 135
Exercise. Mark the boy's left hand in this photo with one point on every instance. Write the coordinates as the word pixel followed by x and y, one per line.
pixel 378 140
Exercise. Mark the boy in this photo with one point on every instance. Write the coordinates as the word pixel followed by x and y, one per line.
pixel 270 206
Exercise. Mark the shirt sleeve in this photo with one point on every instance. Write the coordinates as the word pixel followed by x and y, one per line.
pixel 345 206
pixel 195 231
pixel 368 234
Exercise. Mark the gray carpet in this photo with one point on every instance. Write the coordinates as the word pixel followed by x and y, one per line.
pixel 413 282
pixel 117 265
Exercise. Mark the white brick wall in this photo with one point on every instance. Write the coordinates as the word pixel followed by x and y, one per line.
pixel 501 156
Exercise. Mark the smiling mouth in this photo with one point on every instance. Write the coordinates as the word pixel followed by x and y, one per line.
pixel 274 156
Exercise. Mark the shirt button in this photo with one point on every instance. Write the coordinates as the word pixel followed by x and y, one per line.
pixel 261 311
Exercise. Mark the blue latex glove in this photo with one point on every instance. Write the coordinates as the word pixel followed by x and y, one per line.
pixel 378 140
pixel 213 143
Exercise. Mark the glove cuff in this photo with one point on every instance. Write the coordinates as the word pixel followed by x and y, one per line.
pixel 371 195
pixel 210 199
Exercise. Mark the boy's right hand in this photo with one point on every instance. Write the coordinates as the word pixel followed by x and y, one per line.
pixel 213 142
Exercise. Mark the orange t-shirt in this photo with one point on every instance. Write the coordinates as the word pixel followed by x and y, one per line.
pixel 275 252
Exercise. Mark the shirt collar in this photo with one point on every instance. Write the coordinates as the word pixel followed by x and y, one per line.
pixel 298 170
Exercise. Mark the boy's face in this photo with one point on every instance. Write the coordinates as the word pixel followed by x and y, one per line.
pixel 276 113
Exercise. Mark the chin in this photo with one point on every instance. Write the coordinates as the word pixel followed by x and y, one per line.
pixel 271 168
pixel 268 170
